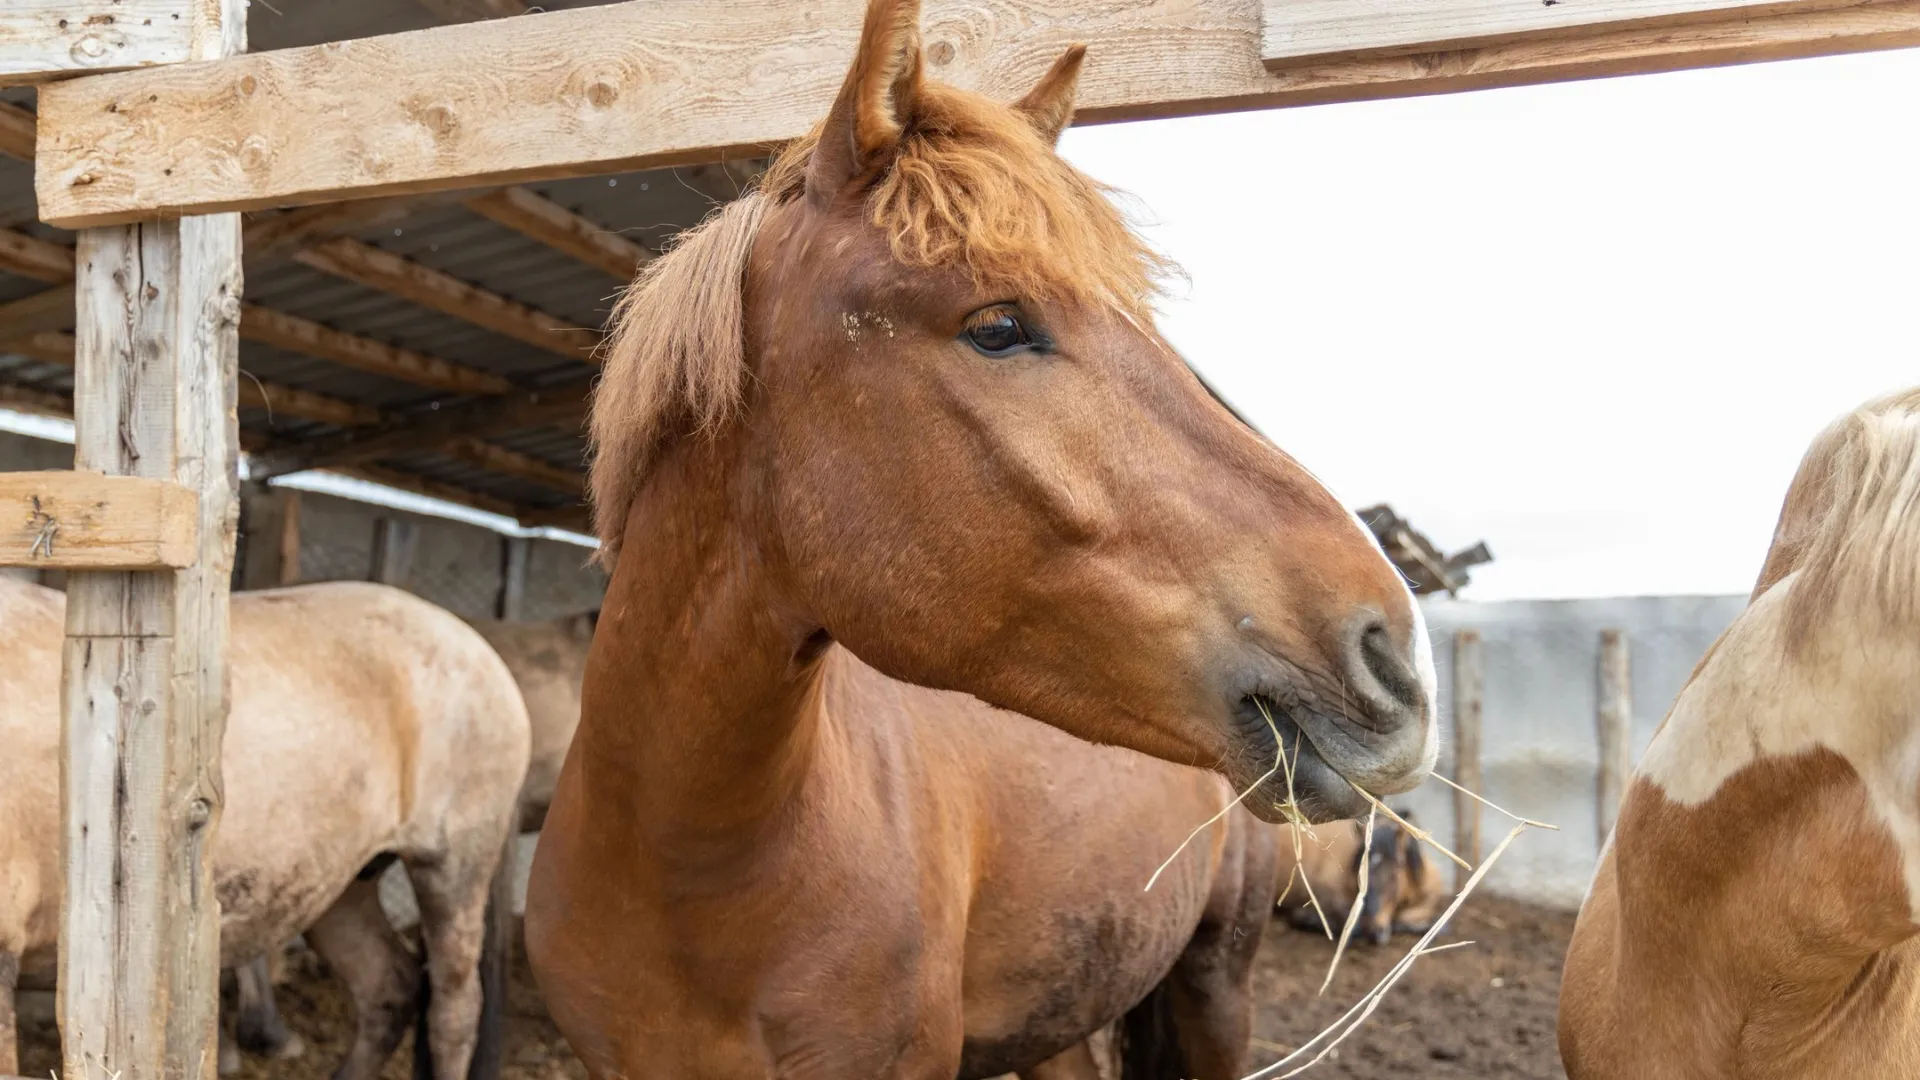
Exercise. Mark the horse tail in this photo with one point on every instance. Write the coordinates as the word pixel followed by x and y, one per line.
pixel 1148 1039
pixel 496 953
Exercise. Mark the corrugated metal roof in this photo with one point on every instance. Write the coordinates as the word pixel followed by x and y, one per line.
pixel 648 207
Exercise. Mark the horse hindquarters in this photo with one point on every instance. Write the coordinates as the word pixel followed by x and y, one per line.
pixel 1195 1025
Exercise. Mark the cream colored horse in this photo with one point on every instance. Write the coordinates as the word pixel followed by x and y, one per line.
pixel 548 660
pixel 1757 912
pixel 366 725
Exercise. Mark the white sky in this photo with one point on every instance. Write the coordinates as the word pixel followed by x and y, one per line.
pixel 1594 324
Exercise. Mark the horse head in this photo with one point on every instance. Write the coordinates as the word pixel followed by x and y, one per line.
pixel 928 344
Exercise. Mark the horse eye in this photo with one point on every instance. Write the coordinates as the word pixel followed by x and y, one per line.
pixel 996 332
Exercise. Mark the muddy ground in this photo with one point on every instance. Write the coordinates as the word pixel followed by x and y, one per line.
pixel 1484 1012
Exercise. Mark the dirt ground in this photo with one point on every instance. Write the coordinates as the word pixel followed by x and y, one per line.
pixel 1484 1012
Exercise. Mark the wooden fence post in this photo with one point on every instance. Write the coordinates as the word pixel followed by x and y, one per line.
pixel 1469 696
pixel 145 684
pixel 512 604
pixel 289 539
pixel 1615 722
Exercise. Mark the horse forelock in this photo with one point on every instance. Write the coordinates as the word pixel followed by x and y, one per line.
pixel 972 184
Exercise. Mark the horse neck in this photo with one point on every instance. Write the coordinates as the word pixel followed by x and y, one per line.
pixel 1768 921
pixel 700 699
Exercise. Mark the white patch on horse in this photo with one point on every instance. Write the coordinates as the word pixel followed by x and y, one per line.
pixel 1752 699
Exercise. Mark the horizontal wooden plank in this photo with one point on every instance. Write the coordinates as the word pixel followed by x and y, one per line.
pixel 543 220
pixel 309 338
pixel 85 521
pixel 48 309
pixel 57 347
pixel 1299 31
pixel 423 285
pixel 664 82
pixel 432 489
pixel 16 131
pixel 513 463
pixel 30 256
pixel 560 405
pixel 473 10
pixel 51 39
pixel 39 402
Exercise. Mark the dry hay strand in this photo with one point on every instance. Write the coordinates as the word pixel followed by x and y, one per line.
pixel 1350 1021
pixel 1359 898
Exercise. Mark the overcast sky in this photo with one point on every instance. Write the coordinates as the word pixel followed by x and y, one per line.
pixel 1594 324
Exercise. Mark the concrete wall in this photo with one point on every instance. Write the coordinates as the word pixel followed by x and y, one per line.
pixel 1540 749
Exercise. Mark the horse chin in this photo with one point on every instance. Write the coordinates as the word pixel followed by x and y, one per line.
pixel 1316 791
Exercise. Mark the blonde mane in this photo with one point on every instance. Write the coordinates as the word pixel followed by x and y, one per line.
pixel 1850 528
pixel 973 185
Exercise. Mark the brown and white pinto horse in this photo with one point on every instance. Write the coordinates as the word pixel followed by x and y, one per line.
pixel 885 449
pixel 1756 915
pixel 366 725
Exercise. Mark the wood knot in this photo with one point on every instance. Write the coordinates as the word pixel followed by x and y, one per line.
pixel 438 118
pixel 248 84
pixel 941 53
pixel 601 94
pixel 199 813
pixel 89 50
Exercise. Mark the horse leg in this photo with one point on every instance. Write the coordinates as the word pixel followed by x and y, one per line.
pixel 227 1059
pixel 382 976
pixel 1075 1063
pixel 9 1026
pixel 1210 990
pixel 465 921
pixel 258 1026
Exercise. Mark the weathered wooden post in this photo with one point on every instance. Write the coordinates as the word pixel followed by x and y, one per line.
pixel 1469 696
pixel 1614 720
pixel 145 689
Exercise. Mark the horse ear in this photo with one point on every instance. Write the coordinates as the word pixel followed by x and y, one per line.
pixel 875 104
pixel 1050 103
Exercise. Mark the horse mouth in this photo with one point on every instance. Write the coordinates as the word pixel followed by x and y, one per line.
pixel 1298 782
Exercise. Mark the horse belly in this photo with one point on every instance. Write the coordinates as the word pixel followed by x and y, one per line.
pixel 1042 982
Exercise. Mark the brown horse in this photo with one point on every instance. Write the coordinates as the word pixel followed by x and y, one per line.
pixel 1405 888
pixel 367 725
pixel 1756 914
pixel 883 450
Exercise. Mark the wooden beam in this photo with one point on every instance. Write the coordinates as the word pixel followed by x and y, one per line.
pixel 1469 702
pixel 271 236
pixel 1302 31
pixel 423 285
pixel 49 309
pixel 668 82
pixel 32 257
pixel 309 338
pixel 575 518
pixel 45 260
pixel 46 346
pixel 561 405
pixel 557 227
pixel 458 11
pixel 53 39
pixel 16 131
pixel 432 489
pixel 70 520
pixel 513 463
pixel 39 402
pixel 58 347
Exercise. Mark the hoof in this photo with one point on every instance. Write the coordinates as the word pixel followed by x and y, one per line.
pixel 293 1047
pixel 229 1062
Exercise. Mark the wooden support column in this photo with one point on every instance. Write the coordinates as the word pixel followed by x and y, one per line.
pixel 1469 698
pixel 1615 723
pixel 145 688
pixel 393 544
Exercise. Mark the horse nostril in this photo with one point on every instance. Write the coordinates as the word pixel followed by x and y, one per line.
pixel 1377 663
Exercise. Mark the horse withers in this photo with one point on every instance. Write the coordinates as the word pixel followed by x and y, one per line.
pixel 1754 914
pixel 889 464
pixel 1318 870
pixel 365 725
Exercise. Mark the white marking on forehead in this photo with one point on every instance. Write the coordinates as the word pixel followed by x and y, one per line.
pixel 1751 701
